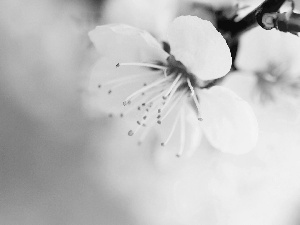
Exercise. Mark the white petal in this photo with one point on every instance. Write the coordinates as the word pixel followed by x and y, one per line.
pixel 228 122
pixel 98 99
pixel 126 43
pixel 200 47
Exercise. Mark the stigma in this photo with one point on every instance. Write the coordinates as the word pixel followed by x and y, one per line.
pixel 171 88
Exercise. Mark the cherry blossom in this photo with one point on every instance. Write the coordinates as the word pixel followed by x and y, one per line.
pixel 171 90
pixel 271 57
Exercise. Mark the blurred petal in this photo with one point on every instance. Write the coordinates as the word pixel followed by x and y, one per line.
pixel 200 47
pixel 229 122
pixel 258 48
pixel 126 43
pixel 282 112
pixel 104 74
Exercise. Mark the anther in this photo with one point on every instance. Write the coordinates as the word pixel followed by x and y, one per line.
pixel 110 115
pixel 138 122
pixel 109 91
pixel 99 86
pixel 145 117
pixel 121 115
pixel 178 156
pixel 200 119
pixel 130 133
pixel 162 144
pixel 158 121
pixel 118 65
pixel 124 103
pixel 145 84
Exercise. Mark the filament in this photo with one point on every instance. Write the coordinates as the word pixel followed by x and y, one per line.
pixel 155 83
pixel 142 64
pixel 173 85
pixel 182 136
pixel 172 131
pixel 170 96
pixel 176 101
pixel 194 98
pixel 155 97
pixel 133 76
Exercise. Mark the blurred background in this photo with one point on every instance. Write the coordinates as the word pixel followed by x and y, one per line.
pixel 59 165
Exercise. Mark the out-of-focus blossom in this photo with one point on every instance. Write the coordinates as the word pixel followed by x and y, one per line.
pixel 162 85
pixel 268 63
pixel 272 57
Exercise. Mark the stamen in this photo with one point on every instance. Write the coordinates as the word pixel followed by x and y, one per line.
pixel 139 103
pixel 165 104
pixel 139 76
pixel 173 85
pixel 142 64
pixel 153 84
pixel 135 105
pixel 157 96
pixel 182 136
pixel 132 132
pixel 195 99
pixel 142 100
pixel 172 131
pixel 145 118
pixel 176 101
pixel 152 95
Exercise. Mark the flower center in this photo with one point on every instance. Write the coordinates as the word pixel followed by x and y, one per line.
pixel 156 100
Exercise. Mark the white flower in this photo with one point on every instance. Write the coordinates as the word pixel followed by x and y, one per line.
pixel 169 90
pixel 273 57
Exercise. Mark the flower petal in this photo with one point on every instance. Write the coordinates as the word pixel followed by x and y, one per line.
pixel 106 75
pixel 126 43
pixel 228 122
pixel 200 47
